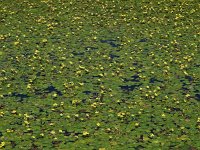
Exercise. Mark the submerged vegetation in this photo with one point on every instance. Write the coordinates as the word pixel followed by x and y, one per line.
pixel 99 74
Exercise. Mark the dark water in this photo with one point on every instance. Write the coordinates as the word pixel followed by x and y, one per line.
pixel 143 40
pixel 88 48
pixel 48 90
pixel 53 89
pixel 153 80
pixel 112 56
pixel 128 88
pixel 197 96
pixel 87 92
pixel 110 42
pixel 18 95
pixel 134 78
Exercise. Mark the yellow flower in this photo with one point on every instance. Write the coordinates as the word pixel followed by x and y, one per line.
pixel 98 124
pixel 53 132
pixel 42 134
pixel 26 122
pixel 121 114
pixel 81 84
pixel 151 135
pixel 75 101
pixel 187 95
pixel 55 104
pixel 55 95
pixel 163 115
pixel 33 137
pixel 16 43
pixel 1 114
pixel 85 133
pixel 9 130
pixel 44 40
pixel 28 86
pixel 2 144
pixel 185 72
pixel 14 112
pixel 137 124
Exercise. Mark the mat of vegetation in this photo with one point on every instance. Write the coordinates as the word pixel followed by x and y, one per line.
pixel 99 74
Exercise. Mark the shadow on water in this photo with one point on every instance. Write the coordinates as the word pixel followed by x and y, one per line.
pixel 197 97
pixel 78 53
pixel 48 90
pixel 189 78
pixel 187 87
pixel 67 133
pixel 143 40
pixel 153 80
pixel 174 110
pixel 97 76
pixel 27 53
pixel 185 83
pixel 145 51
pixel 53 89
pixel 94 95
pixel 39 74
pixel 18 95
pixel 110 42
pixel 55 39
pixel 87 92
pixel 88 48
pixel 135 64
pixel 24 78
pixel 134 78
pixel 112 56
pixel 52 56
pixel 128 88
